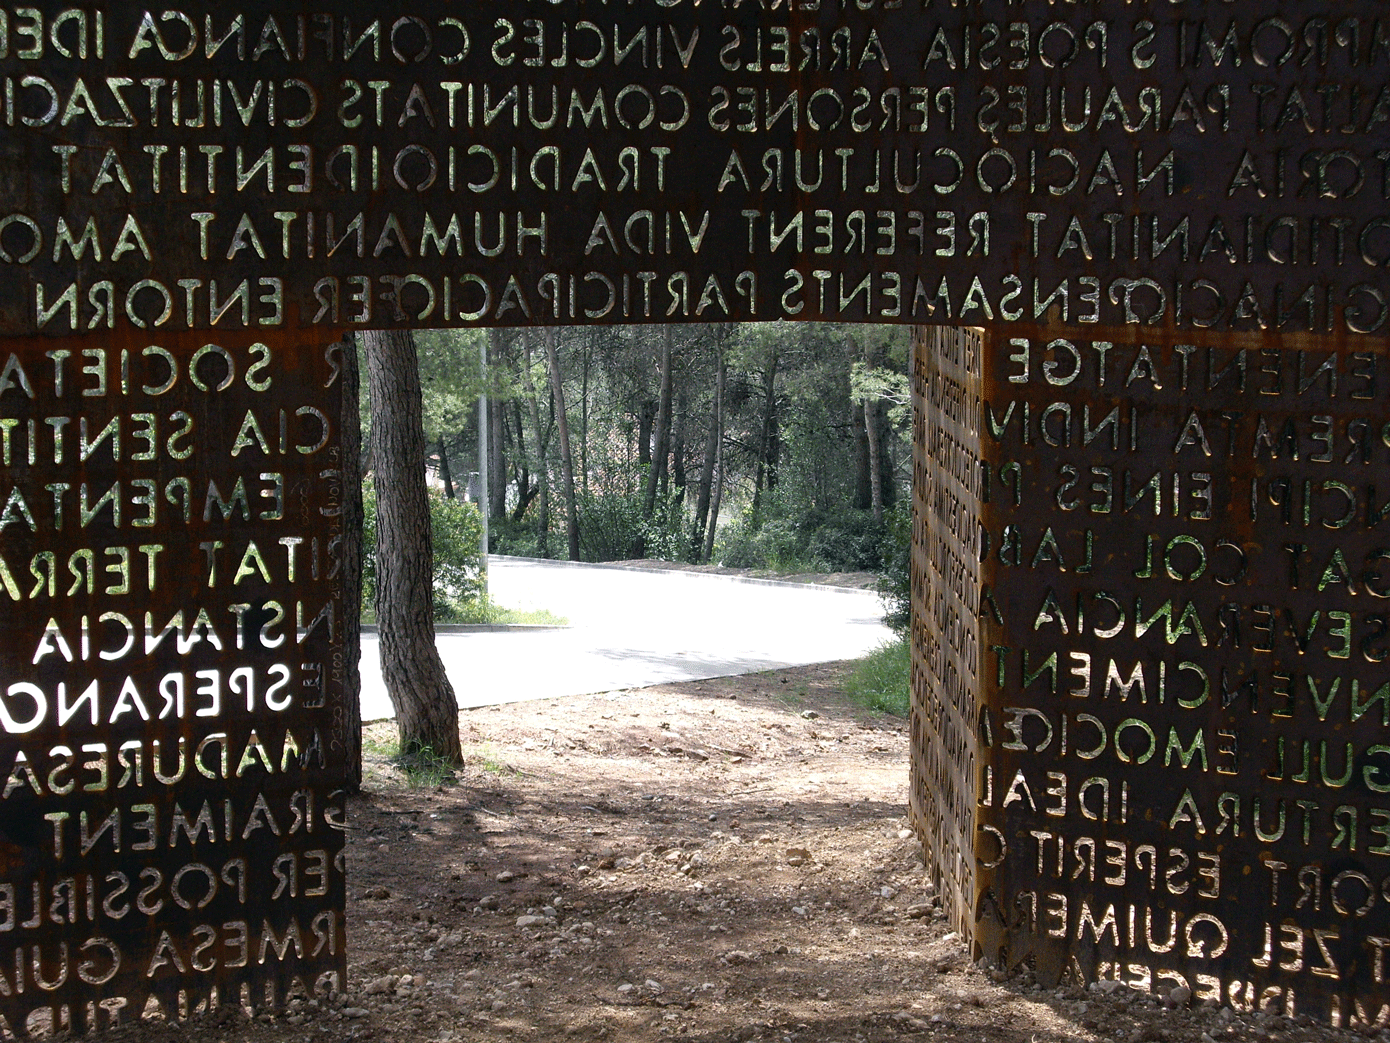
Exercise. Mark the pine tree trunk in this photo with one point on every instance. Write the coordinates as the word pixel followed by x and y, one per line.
pixel 445 475
pixel 706 482
pixel 584 416
pixel 542 470
pixel 767 442
pixel 557 390
pixel 678 476
pixel 663 424
pixel 875 469
pixel 497 465
pixel 426 710
pixel 646 416
pixel 863 494
pixel 350 425
pixel 719 383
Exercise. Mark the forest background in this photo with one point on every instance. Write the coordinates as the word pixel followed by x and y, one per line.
pixel 776 446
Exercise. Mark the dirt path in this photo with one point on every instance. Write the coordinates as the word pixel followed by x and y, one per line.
pixel 714 861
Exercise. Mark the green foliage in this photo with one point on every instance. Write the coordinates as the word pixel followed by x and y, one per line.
pixel 425 770
pixel 773 545
pixel 485 610
pixel 846 540
pixel 815 540
pixel 881 680
pixel 421 768
pixel 895 575
pixel 457 532
pixel 613 527
pixel 518 538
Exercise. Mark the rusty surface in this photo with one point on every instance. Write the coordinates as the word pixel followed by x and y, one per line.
pixel 946 688
pixel 1162 164
pixel 1181 766
pixel 172 741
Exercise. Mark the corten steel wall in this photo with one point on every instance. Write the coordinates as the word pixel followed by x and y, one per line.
pixel 1104 187
pixel 1115 163
pixel 1165 568
pixel 946 528
pixel 173 730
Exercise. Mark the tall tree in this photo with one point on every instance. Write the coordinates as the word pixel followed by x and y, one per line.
pixel 426 709
pixel 875 466
pixel 497 466
pixel 767 439
pixel 557 392
pixel 663 424
pixel 705 520
pixel 445 474
pixel 542 471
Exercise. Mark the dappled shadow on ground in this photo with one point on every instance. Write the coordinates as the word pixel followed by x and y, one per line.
pixel 712 862
pixel 720 860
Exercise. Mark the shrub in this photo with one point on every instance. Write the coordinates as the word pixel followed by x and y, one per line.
pixel 612 527
pixel 457 533
pixel 881 680
pixel 847 541
pixel 895 576
pixel 514 537
pixel 777 544
pixel 813 541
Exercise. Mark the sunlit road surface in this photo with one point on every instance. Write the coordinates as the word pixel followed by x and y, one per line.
pixel 630 628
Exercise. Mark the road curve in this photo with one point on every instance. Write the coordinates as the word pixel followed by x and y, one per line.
pixel 633 627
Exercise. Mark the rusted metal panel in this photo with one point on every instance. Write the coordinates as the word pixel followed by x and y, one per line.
pixel 171 704
pixel 1161 164
pixel 946 681
pixel 1180 618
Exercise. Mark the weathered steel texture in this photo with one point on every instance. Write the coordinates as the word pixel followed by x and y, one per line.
pixel 170 678
pixel 1181 624
pixel 946 681
pixel 1164 164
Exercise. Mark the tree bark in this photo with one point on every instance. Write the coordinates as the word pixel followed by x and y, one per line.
pixel 445 475
pixel 542 470
pixel 863 494
pixel 678 476
pixel 350 426
pixel 426 709
pixel 525 493
pixel 875 469
pixel 646 416
pixel 705 485
pixel 584 414
pixel 497 465
pixel 720 380
pixel 557 391
pixel 663 424
pixel 767 442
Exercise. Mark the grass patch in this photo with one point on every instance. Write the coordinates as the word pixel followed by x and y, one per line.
pixel 421 769
pixel 485 758
pixel 880 680
pixel 424 770
pixel 377 743
pixel 487 612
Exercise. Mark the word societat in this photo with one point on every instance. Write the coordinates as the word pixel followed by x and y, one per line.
pixel 171 703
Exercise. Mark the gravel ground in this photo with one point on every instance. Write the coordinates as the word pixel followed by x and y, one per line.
pixel 717 861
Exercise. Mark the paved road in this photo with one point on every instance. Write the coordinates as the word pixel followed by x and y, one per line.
pixel 632 627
